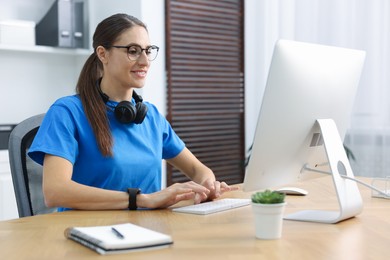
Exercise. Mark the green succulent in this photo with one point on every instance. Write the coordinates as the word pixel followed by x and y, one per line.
pixel 268 197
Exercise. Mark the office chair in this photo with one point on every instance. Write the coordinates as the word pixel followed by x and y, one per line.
pixel 26 174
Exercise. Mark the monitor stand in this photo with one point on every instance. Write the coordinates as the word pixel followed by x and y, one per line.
pixel 348 195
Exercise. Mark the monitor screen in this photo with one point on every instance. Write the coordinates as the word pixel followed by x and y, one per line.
pixel 306 82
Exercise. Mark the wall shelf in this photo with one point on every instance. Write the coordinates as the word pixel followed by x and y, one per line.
pixel 45 49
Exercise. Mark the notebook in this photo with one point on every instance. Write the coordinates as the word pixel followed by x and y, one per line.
pixel 118 238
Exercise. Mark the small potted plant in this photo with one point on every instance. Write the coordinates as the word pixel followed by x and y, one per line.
pixel 268 207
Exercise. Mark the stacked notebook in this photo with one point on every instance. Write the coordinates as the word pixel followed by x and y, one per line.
pixel 118 238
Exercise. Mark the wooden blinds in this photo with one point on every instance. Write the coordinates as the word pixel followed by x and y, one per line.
pixel 205 77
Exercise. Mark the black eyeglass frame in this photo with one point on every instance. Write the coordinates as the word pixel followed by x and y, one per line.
pixel 153 47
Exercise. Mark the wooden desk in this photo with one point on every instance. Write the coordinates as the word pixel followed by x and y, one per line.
pixel 225 235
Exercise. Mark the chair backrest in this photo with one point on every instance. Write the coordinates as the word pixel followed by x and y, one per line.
pixel 26 174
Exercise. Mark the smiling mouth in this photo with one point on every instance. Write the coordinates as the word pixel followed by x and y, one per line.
pixel 140 73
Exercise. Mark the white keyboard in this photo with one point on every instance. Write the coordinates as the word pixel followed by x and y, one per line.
pixel 213 206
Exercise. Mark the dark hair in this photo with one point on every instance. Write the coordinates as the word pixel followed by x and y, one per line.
pixel 106 33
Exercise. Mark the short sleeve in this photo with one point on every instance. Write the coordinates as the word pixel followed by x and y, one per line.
pixel 56 136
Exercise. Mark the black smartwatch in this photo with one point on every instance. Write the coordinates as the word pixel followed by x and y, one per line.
pixel 133 192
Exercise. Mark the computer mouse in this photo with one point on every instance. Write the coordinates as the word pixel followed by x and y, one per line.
pixel 293 191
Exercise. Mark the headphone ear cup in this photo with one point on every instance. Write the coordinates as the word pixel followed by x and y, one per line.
pixel 142 109
pixel 125 112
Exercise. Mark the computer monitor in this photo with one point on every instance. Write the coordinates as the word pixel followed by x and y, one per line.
pixel 303 119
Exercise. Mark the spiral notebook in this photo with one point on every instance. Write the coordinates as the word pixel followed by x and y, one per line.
pixel 118 238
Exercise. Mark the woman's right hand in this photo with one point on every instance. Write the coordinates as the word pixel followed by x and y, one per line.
pixel 172 195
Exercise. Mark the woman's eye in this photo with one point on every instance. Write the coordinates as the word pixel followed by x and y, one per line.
pixel 133 51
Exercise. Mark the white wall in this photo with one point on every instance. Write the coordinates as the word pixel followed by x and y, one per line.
pixel 153 14
pixel 256 69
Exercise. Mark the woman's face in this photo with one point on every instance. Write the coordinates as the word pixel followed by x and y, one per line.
pixel 120 70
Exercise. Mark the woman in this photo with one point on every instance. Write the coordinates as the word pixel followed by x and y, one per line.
pixel 101 147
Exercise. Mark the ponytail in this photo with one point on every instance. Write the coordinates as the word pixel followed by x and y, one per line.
pixel 94 108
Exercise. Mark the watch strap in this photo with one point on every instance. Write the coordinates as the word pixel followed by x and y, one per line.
pixel 133 192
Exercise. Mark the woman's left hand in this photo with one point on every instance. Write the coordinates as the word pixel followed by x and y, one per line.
pixel 216 188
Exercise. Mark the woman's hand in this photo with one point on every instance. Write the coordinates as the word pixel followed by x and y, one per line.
pixel 188 164
pixel 172 195
pixel 216 189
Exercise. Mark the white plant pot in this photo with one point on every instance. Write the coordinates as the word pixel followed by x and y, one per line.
pixel 268 220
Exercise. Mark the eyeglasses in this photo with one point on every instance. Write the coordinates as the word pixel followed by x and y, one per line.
pixel 135 51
